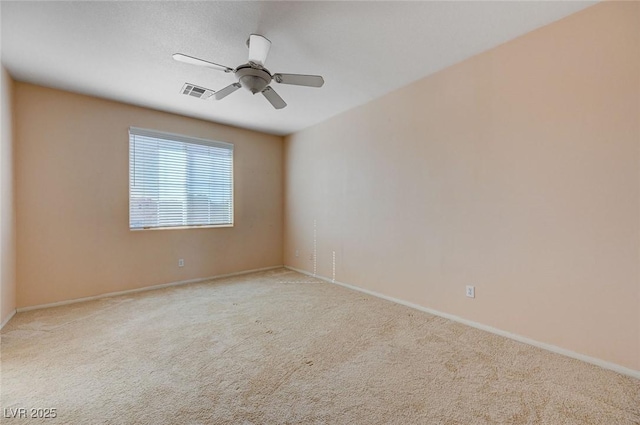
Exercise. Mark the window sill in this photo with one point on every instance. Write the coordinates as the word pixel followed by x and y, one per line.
pixel 213 226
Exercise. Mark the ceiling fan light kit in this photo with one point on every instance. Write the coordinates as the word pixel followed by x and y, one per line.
pixel 253 79
pixel 253 76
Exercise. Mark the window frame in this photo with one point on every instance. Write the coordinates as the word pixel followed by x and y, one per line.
pixel 183 139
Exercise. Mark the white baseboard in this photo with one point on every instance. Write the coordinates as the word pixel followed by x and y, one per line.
pixel 13 313
pixel 146 288
pixel 555 349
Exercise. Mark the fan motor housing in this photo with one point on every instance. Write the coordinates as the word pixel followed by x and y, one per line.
pixel 253 79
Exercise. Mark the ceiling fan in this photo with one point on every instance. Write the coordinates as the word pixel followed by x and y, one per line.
pixel 253 75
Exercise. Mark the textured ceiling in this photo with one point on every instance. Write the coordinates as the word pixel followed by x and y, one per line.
pixel 122 50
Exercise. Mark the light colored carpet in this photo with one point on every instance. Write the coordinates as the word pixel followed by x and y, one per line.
pixel 278 347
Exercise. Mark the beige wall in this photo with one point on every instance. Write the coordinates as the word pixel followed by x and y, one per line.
pixel 73 237
pixel 516 171
pixel 7 207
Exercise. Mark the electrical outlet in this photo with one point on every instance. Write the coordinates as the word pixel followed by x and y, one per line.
pixel 297 253
pixel 181 262
pixel 471 291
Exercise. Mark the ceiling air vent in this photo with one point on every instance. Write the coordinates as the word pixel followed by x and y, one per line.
pixel 196 91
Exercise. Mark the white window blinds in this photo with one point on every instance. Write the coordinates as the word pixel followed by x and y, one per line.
pixel 177 181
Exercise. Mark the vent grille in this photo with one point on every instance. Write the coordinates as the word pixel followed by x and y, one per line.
pixel 197 91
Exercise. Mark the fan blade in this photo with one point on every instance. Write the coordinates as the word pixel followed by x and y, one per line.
pixel 221 94
pixel 195 61
pixel 299 79
pixel 258 49
pixel 274 98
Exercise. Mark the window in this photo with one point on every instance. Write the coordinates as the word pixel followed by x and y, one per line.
pixel 178 181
